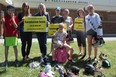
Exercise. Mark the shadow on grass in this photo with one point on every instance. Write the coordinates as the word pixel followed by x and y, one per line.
pixel 2 70
pixel 78 62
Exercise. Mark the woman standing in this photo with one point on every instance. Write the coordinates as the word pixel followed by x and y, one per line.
pixel 10 22
pixel 80 34
pixel 93 29
pixel 69 22
pixel 26 37
pixel 42 36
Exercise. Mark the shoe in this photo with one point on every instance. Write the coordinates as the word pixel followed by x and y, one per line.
pixel 71 60
pixel 27 58
pixel 41 60
pixel 83 56
pixel 79 54
pixel 88 60
pixel 94 59
pixel 5 64
pixel 17 63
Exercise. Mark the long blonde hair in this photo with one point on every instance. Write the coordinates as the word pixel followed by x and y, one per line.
pixel 44 7
pixel 28 11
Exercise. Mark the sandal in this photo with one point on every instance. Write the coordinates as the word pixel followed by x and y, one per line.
pixel 79 54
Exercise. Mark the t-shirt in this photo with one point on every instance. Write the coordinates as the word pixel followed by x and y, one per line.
pixel 10 30
pixel 60 36
pixel 20 16
pixel 57 19
pixel 47 18
pixel 67 21
pixel 93 22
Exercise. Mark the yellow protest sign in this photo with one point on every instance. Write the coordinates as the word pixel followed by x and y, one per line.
pixel 53 28
pixel 78 24
pixel 35 24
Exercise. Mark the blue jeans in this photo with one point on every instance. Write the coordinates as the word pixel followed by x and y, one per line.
pixel 42 40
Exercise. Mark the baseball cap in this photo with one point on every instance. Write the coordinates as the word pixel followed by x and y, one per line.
pixel 58 8
pixel 10 6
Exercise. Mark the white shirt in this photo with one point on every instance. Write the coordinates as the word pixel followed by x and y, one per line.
pixel 93 22
pixel 67 21
pixel 60 36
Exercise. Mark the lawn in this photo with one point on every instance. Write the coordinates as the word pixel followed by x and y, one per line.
pixel 25 71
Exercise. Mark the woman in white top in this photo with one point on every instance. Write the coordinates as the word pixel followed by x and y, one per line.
pixel 93 29
pixel 69 23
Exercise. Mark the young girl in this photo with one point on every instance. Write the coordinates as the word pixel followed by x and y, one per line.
pixel 60 36
pixel 10 32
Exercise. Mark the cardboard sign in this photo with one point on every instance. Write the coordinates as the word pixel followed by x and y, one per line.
pixel 78 24
pixel 53 28
pixel 35 24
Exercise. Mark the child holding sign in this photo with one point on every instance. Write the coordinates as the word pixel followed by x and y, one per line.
pixel 60 36
pixel 80 34
pixel 10 22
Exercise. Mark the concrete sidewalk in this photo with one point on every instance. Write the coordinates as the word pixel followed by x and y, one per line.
pixel 49 39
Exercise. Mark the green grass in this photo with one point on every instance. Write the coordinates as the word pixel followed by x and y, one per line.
pixel 25 71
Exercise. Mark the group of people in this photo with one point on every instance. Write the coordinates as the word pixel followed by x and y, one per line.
pixel 11 24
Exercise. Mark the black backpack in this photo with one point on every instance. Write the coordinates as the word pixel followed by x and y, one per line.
pixel 89 69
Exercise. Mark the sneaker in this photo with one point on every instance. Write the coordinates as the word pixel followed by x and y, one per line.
pixel 88 60
pixel 41 60
pixel 17 63
pixel 71 60
pixel 83 57
pixel 79 54
pixel 94 59
pixel 27 58
pixel 5 64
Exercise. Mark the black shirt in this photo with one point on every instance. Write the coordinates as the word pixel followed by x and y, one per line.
pixel 57 19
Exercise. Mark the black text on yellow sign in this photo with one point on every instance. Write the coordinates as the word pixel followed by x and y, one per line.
pixel 78 24
pixel 53 28
pixel 35 24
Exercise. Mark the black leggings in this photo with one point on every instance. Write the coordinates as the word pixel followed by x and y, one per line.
pixel 26 39
pixel 81 38
pixel 42 39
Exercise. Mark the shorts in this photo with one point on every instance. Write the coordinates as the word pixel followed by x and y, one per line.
pixel 11 41
pixel 92 33
pixel 81 38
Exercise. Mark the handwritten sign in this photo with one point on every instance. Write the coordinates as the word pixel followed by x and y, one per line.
pixel 35 24
pixel 53 28
pixel 78 24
